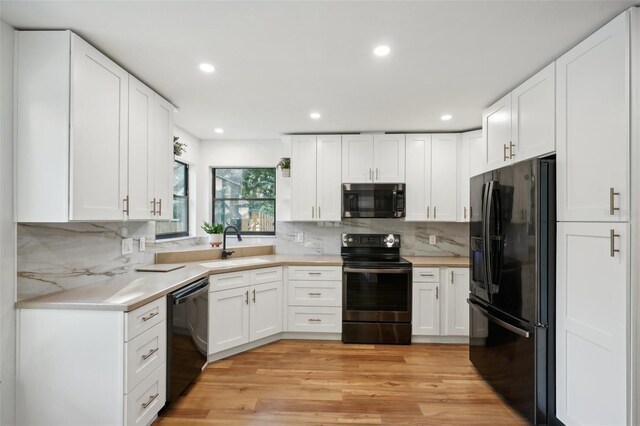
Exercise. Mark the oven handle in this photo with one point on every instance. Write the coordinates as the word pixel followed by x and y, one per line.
pixel 379 271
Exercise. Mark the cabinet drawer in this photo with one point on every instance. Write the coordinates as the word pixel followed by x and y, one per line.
pixel 266 275
pixel 144 354
pixel 315 273
pixel 145 400
pixel 426 275
pixel 229 280
pixel 315 293
pixel 142 319
pixel 315 319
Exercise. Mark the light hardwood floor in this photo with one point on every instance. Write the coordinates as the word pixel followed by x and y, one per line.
pixel 301 382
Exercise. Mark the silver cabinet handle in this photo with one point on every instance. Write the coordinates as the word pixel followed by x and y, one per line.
pixel 151 315
pixel 612 207
pixel 312 212
pixel 437 293
pixel 319 215
pixel 160 207
pixel 153 202
pixel 465 213
pixel 435 212
pixel 246 297
pixel 451 277
pixel 377 174
pixel 612 240
pixel 427 212
pixel 370 174
pixel 254 295
pixel 314 320
pixel 314 273
pixel 125 205
pixel 315 294
pixel 504 152
pixel 470 212
pixel 426 275
pixel 151 352
pixel 151 399
pixel 511 146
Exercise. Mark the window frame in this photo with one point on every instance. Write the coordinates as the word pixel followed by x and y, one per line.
pixel 214 198
pixel 169 235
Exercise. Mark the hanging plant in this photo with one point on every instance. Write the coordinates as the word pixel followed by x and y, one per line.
pixel 179 148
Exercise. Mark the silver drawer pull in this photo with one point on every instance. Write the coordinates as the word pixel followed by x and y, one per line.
pixel 315 294
pixel 426 275
pixel 315 320
pixel 151 315
pixel 151 399
pixel 151 352
pixel 315 273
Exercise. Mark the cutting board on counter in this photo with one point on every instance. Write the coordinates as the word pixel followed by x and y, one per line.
pixel 162 267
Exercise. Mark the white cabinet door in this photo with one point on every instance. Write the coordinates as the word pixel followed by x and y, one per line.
pixel 476 152
pixel 456 281
pixel 496 131
pixel 162 149
pixel 592 287
pixel 464 176
pixel 444 177
pixel 99 112
pixel 418 168
pixel 141 100
pixel 592 120
pixel 533 115
pixel 228 319
pixel 426 309
pixel 357 158
pixel 266 310
pixel 303 178
pixel 329 178
pixel 388 158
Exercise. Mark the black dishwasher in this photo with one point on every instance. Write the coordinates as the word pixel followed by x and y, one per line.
pixel 187 336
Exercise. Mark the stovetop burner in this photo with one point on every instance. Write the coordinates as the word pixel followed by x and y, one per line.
pixel 372 251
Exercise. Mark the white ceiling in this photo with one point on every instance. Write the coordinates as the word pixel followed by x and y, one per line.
pixel 278 61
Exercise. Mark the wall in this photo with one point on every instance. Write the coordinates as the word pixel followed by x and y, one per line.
pixel 7 232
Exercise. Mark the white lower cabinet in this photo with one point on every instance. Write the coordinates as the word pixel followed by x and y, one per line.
pixel 314 299
pixel 91 367
pixel 249 312
pixel 440 302
pixel 591 337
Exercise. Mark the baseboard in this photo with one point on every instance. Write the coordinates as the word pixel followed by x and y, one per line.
pixel 296 335
pixel 464 340
pixel 243 348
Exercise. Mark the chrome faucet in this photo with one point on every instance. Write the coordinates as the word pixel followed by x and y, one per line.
pixel 226 253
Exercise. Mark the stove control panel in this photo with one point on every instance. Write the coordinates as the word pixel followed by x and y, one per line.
pixel 371 240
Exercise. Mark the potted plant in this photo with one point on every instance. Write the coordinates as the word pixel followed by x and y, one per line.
pixel 215 231
pixel 285 165
pixel 179 148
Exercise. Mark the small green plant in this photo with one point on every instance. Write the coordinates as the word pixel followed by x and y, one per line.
pixel 285 163
pixel 179 148
pixel 215 228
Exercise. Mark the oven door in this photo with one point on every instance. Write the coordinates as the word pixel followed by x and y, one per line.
pixel 376 295
pixel 373 200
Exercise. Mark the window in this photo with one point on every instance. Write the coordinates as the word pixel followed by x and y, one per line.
pixel 246 199
pixel 179 226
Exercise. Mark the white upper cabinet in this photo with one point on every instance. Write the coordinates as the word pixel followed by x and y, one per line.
pixel 476 151
pixel 496 130
pixel 72 134
pixel 444 177
pixel 470 144
pixel 316 188
pixel 373 158
pixel 432 177
pixel 162 150
pixel 521 125
pixel 357 158
pixel 593 113
pixel 533 116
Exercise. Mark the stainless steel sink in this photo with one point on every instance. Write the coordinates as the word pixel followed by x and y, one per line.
pixel 233 262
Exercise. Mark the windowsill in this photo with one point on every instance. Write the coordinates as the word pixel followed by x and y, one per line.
pixel 168 240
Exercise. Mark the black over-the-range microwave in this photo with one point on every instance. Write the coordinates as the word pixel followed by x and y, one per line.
pixel 378 200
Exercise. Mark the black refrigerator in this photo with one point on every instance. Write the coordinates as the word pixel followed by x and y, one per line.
pixel 512 285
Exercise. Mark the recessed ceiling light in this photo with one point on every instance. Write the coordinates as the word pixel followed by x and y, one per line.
pixel 208 68
pixel 315 115
pixel 382 50
pixel 446 117
pixel 219 130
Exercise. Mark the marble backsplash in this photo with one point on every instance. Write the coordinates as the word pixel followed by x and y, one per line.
pixel 54 257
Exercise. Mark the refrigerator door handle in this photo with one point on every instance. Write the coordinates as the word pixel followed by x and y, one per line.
pixel 502 323
pixel 486 229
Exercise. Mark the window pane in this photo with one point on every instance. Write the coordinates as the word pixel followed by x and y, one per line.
pixel 247 216
pixel 245 183
pixel 179 178
pixel 180 221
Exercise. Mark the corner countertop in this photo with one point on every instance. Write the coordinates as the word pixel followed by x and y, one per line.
pixel 129 291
